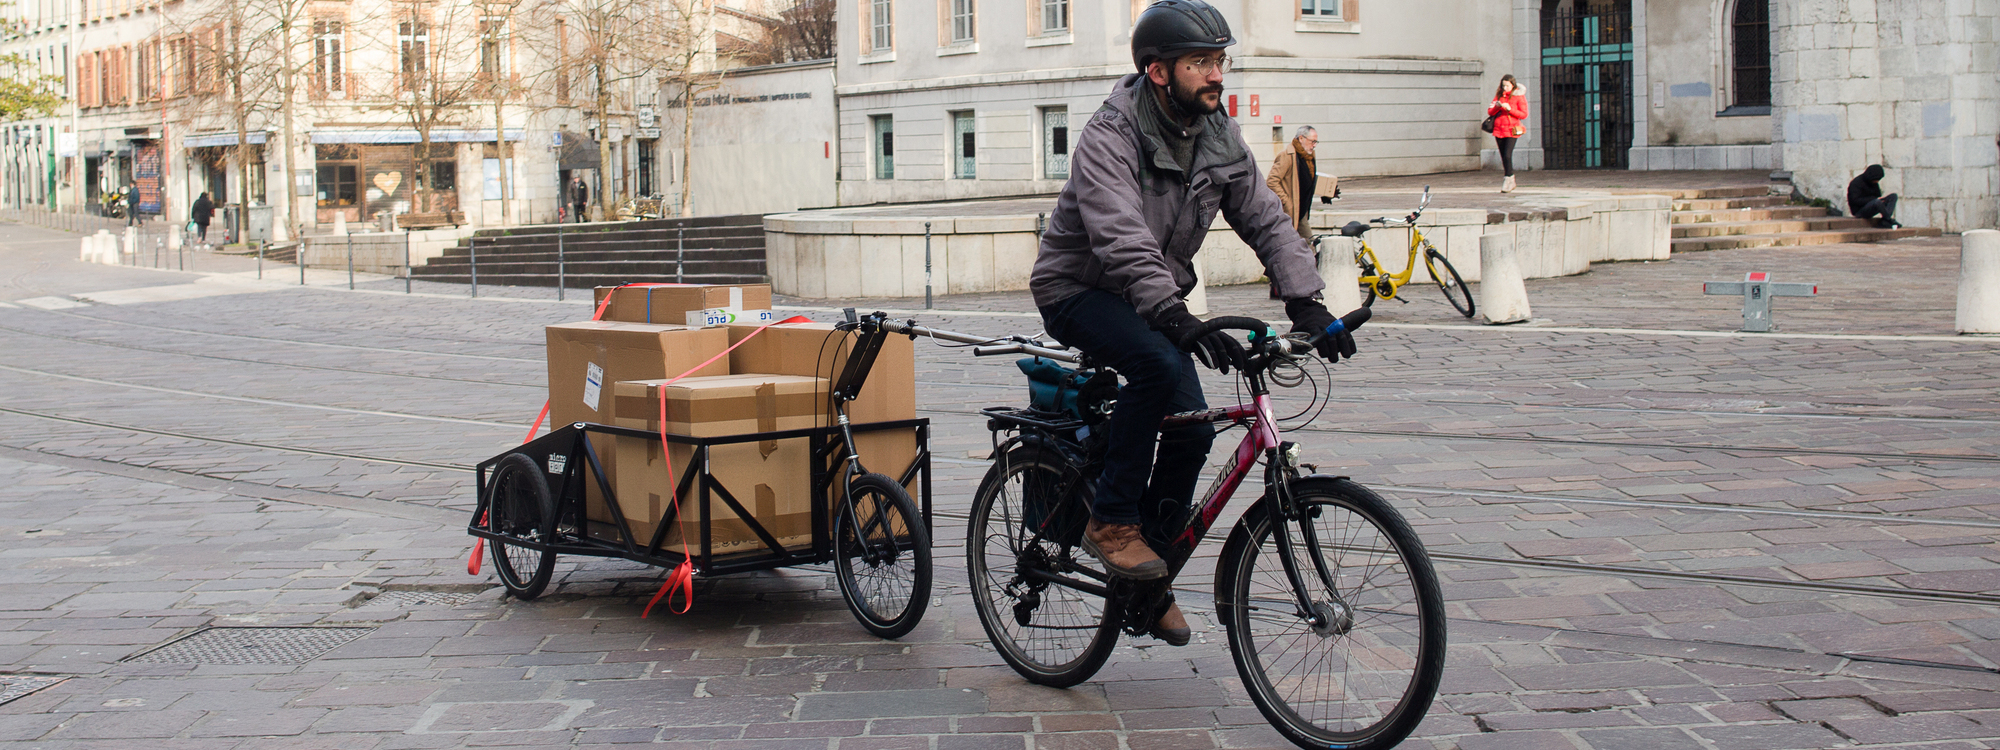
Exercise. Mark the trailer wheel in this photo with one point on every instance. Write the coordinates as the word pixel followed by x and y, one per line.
pixel 521 509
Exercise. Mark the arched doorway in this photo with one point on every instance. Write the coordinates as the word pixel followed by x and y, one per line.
pixel 1586 83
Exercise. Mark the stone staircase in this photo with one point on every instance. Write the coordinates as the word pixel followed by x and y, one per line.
pixel 1735 217
pixel 718 250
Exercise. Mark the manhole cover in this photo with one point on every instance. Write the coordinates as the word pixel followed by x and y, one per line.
pixel 21 685
pixel 404 599
pixel 251 646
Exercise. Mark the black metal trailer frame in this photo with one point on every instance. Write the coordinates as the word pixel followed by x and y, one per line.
pixel 557 452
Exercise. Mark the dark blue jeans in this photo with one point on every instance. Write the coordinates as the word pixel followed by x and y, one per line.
pixel 1160 379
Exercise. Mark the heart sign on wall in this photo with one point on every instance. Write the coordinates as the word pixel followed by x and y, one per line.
pixel 388 181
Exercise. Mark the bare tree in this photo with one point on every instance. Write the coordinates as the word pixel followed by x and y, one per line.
pixel 216 66
pixel 806 31
pixel 688 70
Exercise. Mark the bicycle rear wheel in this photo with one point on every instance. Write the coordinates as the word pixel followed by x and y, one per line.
pixel 1361 671
pixel 882 553
pixel 1021 545
pixel 1447 280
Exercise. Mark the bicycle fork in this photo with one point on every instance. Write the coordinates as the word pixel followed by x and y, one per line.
pixel 1331 616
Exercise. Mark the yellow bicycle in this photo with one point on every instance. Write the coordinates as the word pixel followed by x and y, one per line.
pixel 1375 283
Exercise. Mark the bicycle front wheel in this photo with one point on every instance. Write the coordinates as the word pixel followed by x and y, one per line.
pixel 1447 279
pixel 882 553
pixel 1360 668
pixel 1022 553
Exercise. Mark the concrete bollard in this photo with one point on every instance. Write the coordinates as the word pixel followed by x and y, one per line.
pixel 340 223
pixel 86 249
pixel 1340 273
pixel 1979 282
pixel 1503 294
pixel 131 245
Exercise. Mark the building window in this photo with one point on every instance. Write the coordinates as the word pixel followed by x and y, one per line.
pixel 328 75
pixel 885 146
pixel 1055 143
pixel 1320 9
pixel 339 185
pixel 492 49
pixel 1055 16
pixel 562 61
pixel 961 21
pixel 879 25
pixel 965 164
pixel 444 174
pixel 1750 42
pixel 413 40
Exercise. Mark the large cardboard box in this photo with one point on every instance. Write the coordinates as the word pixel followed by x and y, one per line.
pixel 585 359
pixel 671 303
pixel 889 394
pixel 771 479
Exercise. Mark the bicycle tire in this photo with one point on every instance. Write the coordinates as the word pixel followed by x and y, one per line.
pixel 884 532
pixel 1396 626
pixel 520 506
pixel 1368 289
pixel 1449 282
pixel 1055 639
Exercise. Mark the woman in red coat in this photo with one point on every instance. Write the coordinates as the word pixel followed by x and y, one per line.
pixel 1508 109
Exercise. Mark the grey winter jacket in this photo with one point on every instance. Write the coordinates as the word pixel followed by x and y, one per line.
pixel 1129 221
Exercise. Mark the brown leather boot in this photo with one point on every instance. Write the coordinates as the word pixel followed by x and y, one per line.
pixel 1173 627
pixel 1123 550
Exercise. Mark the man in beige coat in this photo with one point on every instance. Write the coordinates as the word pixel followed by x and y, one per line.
pixel 1295 178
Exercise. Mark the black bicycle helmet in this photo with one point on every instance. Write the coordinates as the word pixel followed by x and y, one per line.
pixel 1170 28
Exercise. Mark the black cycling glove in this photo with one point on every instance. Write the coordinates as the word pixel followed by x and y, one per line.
pixel 1309 316
pixel 1217 351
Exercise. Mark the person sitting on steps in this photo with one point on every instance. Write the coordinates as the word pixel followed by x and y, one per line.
pixel 1866 201
pixel 1150 171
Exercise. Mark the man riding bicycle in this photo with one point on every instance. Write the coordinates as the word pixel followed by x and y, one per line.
pixel 1147 177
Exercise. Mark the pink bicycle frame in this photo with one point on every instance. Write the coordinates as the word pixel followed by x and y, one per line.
pixel 1262 436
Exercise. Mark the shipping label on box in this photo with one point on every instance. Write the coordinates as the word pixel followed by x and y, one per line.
pixel 724 316
pixel 670 303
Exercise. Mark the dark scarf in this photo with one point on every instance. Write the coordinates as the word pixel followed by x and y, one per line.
pixel 1179 139
pixel 1308 174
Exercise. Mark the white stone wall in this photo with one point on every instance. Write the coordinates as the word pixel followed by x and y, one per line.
pixel 763 142
pixel 1912 86
pixel 822 254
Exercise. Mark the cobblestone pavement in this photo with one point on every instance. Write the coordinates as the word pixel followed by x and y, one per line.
pixel 1654 532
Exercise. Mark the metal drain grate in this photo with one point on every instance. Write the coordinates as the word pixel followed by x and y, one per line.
pixel 404 599
pixel 252 646
pixel 14 686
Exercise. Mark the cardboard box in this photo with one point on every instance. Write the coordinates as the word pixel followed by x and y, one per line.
pixel 670 303
pixel 816 349
pixel 889 394
pixel 585 359
pixel 771 478
pixel 723 405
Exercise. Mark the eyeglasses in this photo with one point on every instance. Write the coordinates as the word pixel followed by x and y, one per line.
pixel 1206 65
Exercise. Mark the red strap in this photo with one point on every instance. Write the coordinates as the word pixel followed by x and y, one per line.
pixel 684 573
pixel 478 548
pixel 682 580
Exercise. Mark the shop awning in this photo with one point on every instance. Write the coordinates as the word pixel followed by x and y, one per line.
pixel 205 140
pixel 440 135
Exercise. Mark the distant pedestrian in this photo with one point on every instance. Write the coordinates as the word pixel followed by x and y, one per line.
pixel 1294 176
pixel 129 199
pixel 202 211
pixel 1866 201
pixel 1508 109
pixel 579 198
